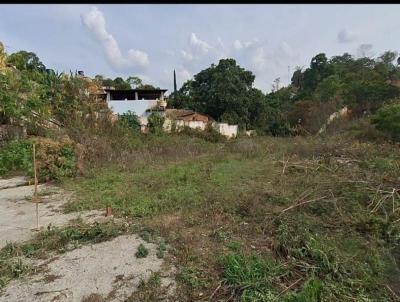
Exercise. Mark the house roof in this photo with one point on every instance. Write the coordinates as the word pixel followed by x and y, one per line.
pixel 184 113
pixel 136 90
pixel 175 113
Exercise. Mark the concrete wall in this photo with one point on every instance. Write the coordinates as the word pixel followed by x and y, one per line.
pixel 227 130
pixel 179 124
pixel 191 124
pixel 139 107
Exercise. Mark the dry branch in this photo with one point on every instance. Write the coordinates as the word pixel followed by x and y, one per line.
pixel 302 203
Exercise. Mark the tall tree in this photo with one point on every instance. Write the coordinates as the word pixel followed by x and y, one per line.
pixel 24 60
pixel 175 90
pixel 134 81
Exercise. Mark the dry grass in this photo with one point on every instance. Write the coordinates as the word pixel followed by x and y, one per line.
pixel 302 201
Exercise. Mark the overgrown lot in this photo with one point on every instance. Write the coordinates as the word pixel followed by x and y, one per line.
pixel 263 219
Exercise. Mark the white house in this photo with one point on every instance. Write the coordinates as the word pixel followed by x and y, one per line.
pixel 139 101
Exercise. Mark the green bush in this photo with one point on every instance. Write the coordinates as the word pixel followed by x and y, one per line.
pixel 55 159
pixel 16 156
pixel 208 134
pixel 130 120
pixel 156 122
pixel 387 120
pixel 142 251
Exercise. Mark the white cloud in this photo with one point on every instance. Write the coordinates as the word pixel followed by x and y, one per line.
pixel 237 45
pixel 186 55
pixel 96 24
pixel 199 45
pixel 220 43
pixel 259 58
pixel 346 36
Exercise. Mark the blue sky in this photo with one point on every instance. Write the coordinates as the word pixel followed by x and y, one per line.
pixel 151 40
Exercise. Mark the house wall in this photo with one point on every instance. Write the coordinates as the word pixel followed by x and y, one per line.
pixel 139 107
pixel 179 124
pixel 227 130
pixel 191 124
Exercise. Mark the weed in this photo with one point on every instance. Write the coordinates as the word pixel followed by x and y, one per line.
pixel 148 291
pixel 236 191
pixel 162 247
pixel 142 251
pixel 254 277
pixel 234 246
pixel 192 277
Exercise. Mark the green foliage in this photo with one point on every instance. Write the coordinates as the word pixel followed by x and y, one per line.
pixel 119 83
pixel 55 159
pixel 209 134
pixel 387 119
pixel 24 60
pixel 222 91
pixel 192 277
pixel 311 292
pixel 253 276
pixel 131 120
pixel 162 247
pixel 155 123
pixel 148 290
pixel 16 156
pixel 142 251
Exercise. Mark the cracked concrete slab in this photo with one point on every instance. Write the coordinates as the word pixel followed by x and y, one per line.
pixel 108 269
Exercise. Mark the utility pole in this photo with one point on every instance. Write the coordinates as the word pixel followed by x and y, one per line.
pixel 288 77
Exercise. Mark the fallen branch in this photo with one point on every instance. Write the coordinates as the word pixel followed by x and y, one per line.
pixel 284 166
pixel 214 292
pixel 394 294
pixel 50 291
pixel 289 287
pixel 302 203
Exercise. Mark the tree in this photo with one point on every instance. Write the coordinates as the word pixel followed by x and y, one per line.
pixel 99 79
pixel 24 60
pixel 275 85
pixel 297 78
pixel 119 83
pixel 182 98
pixel 328 88
pixel 387 119
pixel 221 91
pixel 148 87
pixel 319 69
pixel 134 81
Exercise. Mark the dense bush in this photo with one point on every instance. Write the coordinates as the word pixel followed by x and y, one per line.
pixel 131 120
pixel 209 134
pixel 55 159
pixel 387 120
pixel 156 122
pixel 16 156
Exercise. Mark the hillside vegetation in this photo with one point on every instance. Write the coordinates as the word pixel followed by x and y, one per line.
pixel 285 215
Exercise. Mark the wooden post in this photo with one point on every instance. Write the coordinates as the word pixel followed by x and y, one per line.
pixel 35 196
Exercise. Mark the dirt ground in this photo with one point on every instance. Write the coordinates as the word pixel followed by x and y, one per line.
pixel 18 212
pixel 108 269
